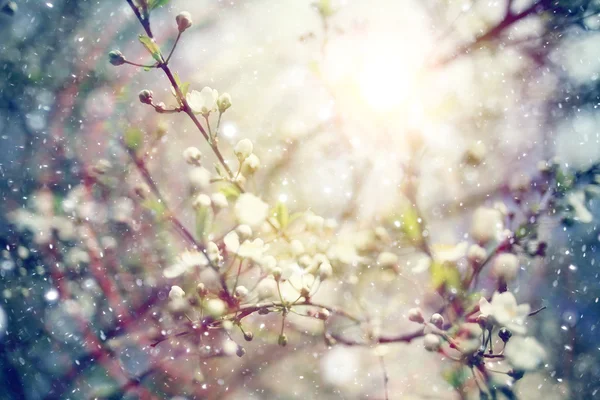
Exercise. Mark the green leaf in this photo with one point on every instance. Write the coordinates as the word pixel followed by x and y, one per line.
pixel 282 215
pixel 133 138
pixel 203 222
pixel 410 224
pixel 155 206
pixel 152 4
pixel 444 275
pixel 151 46
pixel 184 88
pixel 457 377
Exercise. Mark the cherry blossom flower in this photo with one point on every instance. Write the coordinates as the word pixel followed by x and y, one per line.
pixel 251 210
pixel 203 102
pixel 504 312
pixel 185 261
pixel 525 353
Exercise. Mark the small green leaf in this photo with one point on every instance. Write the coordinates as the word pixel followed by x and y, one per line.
pixel 155 206
pixel 230 191
pixel 152 4
pixel 184 88
pixel 203 222
pixel 133 138
pixel 444 275
pixel 151 46
pixel 410 224
pixel 282 215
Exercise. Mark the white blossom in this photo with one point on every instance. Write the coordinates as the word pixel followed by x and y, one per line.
pixel 504 312
pixel 251 210
pixel 199 178
pixel 184 262
pixel 252 250
pixel 203 102
pixel 581 213
pixel 386 259
pixel 525 353
pixel 176 293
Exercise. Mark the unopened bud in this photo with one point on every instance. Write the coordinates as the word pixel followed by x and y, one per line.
pixel 504 334
pixel 192 155
pixel 241 292
pixel 437 320
pixel 325 270
pixel 201 290
pixel 416 315
pixel 282 341
pixel 243 149
pixel 432 342
pixel 184 21
pixel 116 58
pixel 240 351
pixel 248 336
pixel 146 96
pixel 224 102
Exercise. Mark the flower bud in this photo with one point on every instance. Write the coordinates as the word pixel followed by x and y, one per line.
pixel 416 315
pixel 248 336
pixel 146 96
pixel 201 201
pixel 240 352
pixel 277 273
pixel 476 254
pixel 282 341
pixel 215 307
pixel 437 320
pixel 223 102
pixel 176 293
pixel 192 155
pixel 201 290
pixel 241 292
pixel 243 149
pixel 325 270
pixel 184 21
pixel 432 342
pixel 243 231
pixel 116 58
pixel 213 252
pixel 250 165
pixel 506 266
pixel 387 259
pixel 323 314
pixel 219 200
pixel 504 334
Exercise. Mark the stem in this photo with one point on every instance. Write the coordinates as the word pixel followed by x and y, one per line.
pixel 140 65
pixel 173 49
pixel 386 377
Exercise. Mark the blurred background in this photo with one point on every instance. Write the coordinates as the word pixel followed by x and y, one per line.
pixel 472 94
